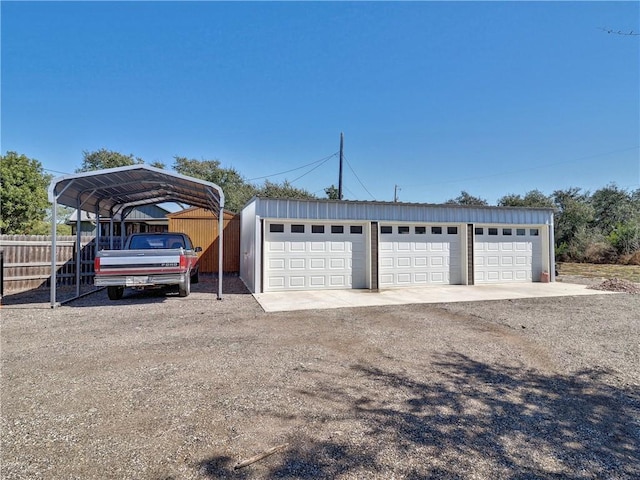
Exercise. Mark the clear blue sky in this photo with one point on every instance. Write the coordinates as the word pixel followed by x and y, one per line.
pixel 435 97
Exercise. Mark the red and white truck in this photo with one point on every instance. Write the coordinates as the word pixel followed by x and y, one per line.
pixel 148 260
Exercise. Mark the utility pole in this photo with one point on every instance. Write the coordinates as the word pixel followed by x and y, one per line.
pixel 341 158
pixel 395 193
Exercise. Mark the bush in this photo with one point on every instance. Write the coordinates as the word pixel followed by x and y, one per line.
pixel 625 238
pixel 633 259
pixel 600 252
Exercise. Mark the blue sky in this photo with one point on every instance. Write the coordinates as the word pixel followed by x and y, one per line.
pixel 435 97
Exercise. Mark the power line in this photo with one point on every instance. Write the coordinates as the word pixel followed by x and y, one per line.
pixel 307 173
pixel 55 171
pixel 294 169
pixel 358 178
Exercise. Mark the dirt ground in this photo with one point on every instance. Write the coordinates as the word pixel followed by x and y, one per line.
pixel 161 387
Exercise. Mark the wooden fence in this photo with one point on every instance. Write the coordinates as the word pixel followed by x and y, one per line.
pixel 27 260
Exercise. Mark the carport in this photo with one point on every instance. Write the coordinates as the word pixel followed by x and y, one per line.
pixel 113 191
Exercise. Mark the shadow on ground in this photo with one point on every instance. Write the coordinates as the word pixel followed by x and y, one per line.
pixel 91 295
pixel 473 420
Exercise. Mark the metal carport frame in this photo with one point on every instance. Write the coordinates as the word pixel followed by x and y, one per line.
pixel 106 191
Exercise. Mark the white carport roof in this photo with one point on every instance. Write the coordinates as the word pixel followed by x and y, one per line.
pixel 110 191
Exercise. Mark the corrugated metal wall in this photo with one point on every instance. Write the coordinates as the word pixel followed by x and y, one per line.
pixel 202 227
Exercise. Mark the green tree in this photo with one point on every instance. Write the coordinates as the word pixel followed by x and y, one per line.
pixel 532 199
pixel 62 215
pixel 237 191
pixel 466 199
pixel 625 237
pixel 332 193
pixel 23 195
pixel 283 190
pixel 103 158
pixel 574 214
pixel 612 206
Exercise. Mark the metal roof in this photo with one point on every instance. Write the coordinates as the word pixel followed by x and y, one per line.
pixel 107 191
pixel 279 208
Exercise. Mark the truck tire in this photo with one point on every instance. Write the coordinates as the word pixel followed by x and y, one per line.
pixel 115 293
pixel 184 289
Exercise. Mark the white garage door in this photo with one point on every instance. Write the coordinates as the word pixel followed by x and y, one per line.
pixel 310 256
pixel 419 255
pixel 507 254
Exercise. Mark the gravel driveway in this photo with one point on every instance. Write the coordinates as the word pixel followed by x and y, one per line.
pixel 160 387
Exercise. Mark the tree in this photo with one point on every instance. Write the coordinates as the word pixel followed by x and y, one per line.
pixel 62 215
pixel 104 158
pixel 574 214
pixel 532 199
pixel 612 206
pixel 23 195
pixel 237 191
pixel 466 199
pixel 283 190
pixel 332 193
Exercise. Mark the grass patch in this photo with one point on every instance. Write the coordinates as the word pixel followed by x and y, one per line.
pixel 627 272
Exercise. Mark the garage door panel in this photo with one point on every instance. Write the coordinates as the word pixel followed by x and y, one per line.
pixel 276 282
pixel 317 246
pixel 506 258
pixel 420 278
pixel 276 247
pixel 276 263
pixel 419 258
pixel 437 277
pixel 386 262
pixel 317 263
pixel 337 247
pixel 420 261
pixel 307 260
pixel 404 262
pixel 297 263
pixel 337 263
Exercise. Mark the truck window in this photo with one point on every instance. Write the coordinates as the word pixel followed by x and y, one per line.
pixel 175 242
pixel 139 243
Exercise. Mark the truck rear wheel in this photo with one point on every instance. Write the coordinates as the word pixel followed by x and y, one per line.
pixel 184 289
pixel 115 293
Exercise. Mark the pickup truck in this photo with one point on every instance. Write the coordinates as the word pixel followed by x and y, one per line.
pixel 148 260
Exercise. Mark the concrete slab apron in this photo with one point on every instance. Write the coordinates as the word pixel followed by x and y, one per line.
pixel 320 299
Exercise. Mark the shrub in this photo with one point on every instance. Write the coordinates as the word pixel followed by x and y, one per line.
pixel 633 259
pixel 600 252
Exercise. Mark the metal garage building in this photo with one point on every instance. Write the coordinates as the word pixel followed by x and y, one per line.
pixel 326 244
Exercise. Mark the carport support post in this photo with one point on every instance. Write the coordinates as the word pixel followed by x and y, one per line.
pixel 54 259
pixel 552 252
pixel 220 250
pixel 78 252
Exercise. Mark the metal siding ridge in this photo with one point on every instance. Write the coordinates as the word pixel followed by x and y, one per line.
pixel 427 213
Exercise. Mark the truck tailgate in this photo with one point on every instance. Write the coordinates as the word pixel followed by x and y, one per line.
pixel 132 262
